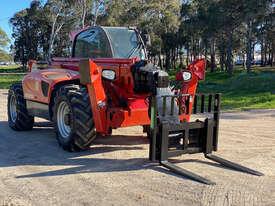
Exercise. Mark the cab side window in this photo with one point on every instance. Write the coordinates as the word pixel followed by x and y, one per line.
pixel 92 43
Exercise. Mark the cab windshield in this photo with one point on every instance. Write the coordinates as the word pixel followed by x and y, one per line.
pixel 125 42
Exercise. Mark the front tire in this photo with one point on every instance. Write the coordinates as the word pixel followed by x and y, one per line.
pixel 18 116
pixel 73 119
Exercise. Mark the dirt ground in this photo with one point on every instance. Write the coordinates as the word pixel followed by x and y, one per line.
pixel 34 170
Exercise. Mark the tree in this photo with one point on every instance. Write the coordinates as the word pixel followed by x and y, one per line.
pixel 58 13
pixel 231 12
pixel 215 29
pixel 83 12
pixel 160 19
pixel 253 9
pixel 28 32
pixel 209 23
pixel 4 41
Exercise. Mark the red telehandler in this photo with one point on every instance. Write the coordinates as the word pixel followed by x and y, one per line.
pixel 109 83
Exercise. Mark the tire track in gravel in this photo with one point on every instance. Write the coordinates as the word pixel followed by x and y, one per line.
pixel 244 190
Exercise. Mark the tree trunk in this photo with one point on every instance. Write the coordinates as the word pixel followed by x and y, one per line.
pixel 205 48
pixel 52 37
pixel 83 16
pixel 173 59
pixel 222 60
pixel 167 61
pixel 262 53
pixel 213 55
pixel 273 53
pixel 244 60
pixel 222 56
pixel 160 60
pixel 249 46
pixel 181 56
pixel 50 45
pixel 97 7
pixel 270 58
pixel 253 51
pixel 229 55
pixel 265 54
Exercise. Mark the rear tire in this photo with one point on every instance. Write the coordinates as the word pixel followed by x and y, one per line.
pixel 18 116
pixel 73 119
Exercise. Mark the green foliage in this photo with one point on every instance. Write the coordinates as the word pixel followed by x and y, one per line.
pixel 241 90
pixel 12 69
pixel 7 80
pixel 223 27
pixel 159 18
pixel 4 41
pixel 4 56
pixel 30 33
pixel 42 30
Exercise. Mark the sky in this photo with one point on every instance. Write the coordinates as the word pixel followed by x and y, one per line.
pixel 7 9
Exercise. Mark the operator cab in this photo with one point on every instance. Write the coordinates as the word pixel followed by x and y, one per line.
pixel 109 42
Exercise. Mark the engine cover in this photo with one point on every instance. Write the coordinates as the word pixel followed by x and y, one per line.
pixel 148 77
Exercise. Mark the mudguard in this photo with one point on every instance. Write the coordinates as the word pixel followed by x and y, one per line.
pixel 39 84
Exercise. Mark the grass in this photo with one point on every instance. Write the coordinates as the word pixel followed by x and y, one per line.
pixel 9 79
pixel 243 91
pixel 12 69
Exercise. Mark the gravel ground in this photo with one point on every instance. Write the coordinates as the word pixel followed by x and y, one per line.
pixel 116 170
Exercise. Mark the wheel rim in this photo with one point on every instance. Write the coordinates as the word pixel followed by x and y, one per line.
pixel 13 110
pixel 63 112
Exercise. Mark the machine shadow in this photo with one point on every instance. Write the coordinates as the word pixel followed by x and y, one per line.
pixel 39 148
pixel 93 165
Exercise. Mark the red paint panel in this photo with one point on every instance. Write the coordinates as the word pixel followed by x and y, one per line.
pixel 97 98
pixel 32 82
pixel 107 114
pixel 197 68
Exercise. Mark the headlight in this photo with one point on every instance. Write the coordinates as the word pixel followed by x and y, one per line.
pixel 186 76
pixel 109 74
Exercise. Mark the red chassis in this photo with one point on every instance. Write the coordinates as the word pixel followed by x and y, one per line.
pixel 114 103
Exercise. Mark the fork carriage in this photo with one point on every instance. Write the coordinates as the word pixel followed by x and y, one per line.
pixel 170 137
